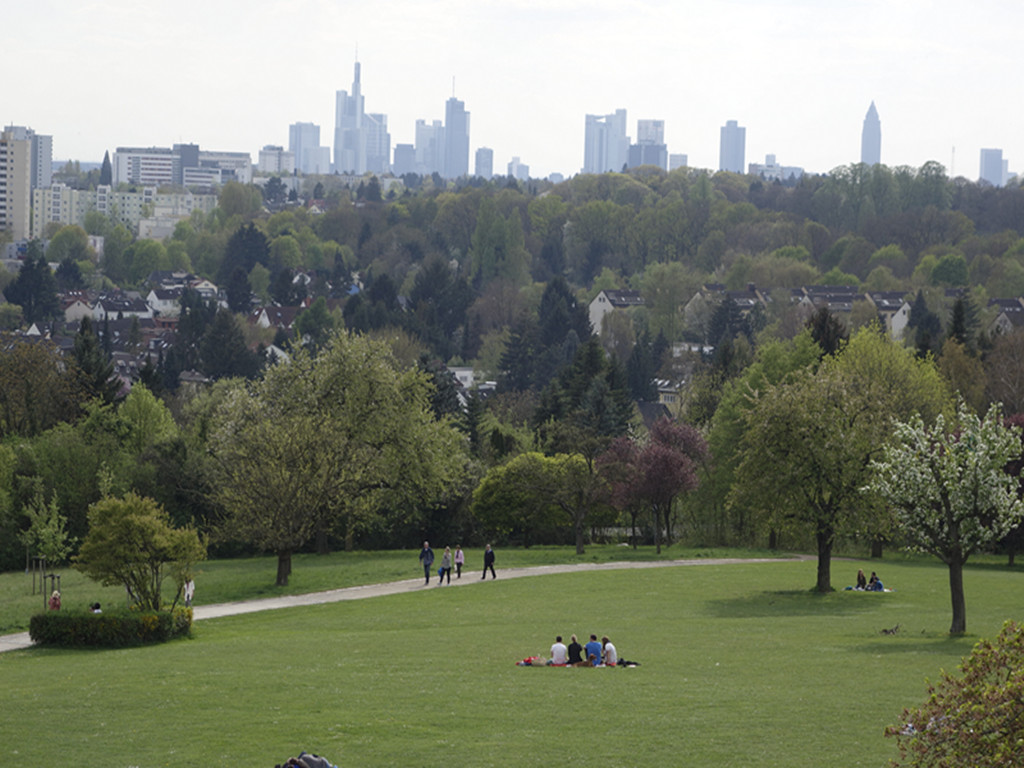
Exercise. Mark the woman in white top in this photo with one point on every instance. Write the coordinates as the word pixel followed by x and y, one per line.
pixel 611 656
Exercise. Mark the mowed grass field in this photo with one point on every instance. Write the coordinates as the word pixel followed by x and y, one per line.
pixel 740 666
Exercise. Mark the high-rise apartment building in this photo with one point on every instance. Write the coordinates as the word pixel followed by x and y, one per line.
pixel 605 143
pixel 456 139
pixel 871 138
pixel 15 185
pixel 484 163
pixel 41 160
pixel 650 146
pixel 732 147
pixel 405 159
pixel 993 168
pixel 361 141
pixel 182 165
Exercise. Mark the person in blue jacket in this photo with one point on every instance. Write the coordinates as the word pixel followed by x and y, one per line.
pixel 592 651
pixel 427 558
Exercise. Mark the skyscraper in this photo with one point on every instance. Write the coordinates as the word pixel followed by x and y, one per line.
pixel 429 147
pixel 992 167
pixel 456 139
pixel 650 146
pixel 732 147
pixel 304 143
pixel 871 138
pixel 361 141
pixel 484 164
pixel 605 143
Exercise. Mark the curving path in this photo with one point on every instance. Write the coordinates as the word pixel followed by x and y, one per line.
pixel 21 640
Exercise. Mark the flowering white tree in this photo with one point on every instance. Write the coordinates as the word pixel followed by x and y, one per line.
pixel 949 492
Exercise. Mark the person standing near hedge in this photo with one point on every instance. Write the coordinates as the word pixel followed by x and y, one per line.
pixel 460 558
pixel 54 604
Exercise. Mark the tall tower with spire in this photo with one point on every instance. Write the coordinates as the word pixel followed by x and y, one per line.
pixel 871 138
pixel 349 143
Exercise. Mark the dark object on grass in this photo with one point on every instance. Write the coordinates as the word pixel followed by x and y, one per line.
pixel 893 631
pixel 306 760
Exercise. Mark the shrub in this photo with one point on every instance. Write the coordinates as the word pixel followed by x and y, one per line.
pixel 116 629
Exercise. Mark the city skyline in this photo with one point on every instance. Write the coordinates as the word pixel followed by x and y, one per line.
pixel 798 77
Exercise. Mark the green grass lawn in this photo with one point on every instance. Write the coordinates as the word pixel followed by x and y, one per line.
pixel 741 666
pixel 221 581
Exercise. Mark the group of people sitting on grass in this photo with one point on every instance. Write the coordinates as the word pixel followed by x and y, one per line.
pixel 593 654
pixel 874 584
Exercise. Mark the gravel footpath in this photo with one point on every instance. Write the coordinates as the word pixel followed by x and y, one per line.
pixel 200 612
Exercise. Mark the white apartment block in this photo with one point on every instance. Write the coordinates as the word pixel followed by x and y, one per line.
pixel 15 185
pixel 276 159
pixel 160 211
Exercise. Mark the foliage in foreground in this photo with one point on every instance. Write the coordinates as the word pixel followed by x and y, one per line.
pixel 974 719
pixel 81 629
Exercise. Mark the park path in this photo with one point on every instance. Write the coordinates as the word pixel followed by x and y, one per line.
pixel 21 640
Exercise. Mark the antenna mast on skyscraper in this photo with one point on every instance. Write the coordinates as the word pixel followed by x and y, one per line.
pixel 952 164
pixel 453 86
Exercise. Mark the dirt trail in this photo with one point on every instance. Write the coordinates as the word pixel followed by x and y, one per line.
pixel 201 612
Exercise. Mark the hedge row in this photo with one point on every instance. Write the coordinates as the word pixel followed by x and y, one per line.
pixel 81 629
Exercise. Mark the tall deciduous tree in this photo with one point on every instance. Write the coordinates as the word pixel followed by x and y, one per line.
pixel 336 440
pixel 949 491
pixel 809 440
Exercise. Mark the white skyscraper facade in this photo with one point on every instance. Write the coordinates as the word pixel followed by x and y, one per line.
pixel 456 139
pixel 41 160
pixel 993 168
pixel 871 138
pixel 361 141
pixel 605 143
pixel 484 163
pixel 732 147
pixel 15 185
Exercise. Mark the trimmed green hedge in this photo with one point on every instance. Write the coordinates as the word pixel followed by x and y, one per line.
pixel 84 629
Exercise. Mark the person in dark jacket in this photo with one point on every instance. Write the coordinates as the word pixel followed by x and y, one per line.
pixel 489 563
pixel 575 652
pixel 427 558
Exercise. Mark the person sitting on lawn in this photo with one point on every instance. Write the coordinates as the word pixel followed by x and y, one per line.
pixel 611 656
pixel 575 653
pixel 875 583
pixel 593 651
pixel 559 653
pixel 862 582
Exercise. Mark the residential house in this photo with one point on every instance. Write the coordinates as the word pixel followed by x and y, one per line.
pixel 1009 316
pixel 608 301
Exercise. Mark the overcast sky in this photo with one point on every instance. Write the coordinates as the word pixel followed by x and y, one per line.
pixel 798 74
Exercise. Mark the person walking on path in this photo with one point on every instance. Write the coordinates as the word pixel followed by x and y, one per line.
pixel 427 558
pixel 460 558
pixel 489 563
pixel 190 591
pixel 446 567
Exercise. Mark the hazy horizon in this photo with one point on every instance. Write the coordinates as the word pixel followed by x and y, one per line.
pixel 232 76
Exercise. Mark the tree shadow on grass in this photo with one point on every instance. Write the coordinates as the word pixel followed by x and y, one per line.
pixel 921 643
pixel 798 602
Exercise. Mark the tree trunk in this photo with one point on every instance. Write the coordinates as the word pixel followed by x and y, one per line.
pixel 956 596
pixel 632 528
pixel 824 537
pixel 657 531
pixel 284 566
pixel 668 526
pixel 350 539
pixel 1012 554
pixel 876 548
pixel 773 539
pixel 322 544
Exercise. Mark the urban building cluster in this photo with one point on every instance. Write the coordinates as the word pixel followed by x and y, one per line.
pixel 159 179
